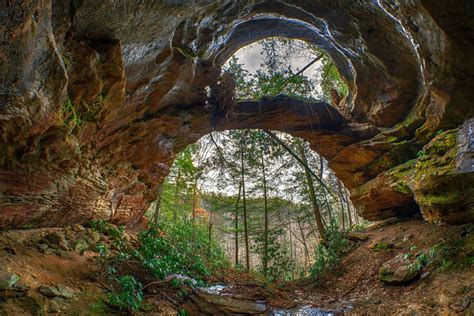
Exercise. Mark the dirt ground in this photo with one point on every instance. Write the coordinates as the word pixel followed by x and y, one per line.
pixel 353 288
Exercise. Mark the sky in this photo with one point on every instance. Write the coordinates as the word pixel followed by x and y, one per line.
pixel 251 57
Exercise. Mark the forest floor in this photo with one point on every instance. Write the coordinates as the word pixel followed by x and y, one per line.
pixel 65 282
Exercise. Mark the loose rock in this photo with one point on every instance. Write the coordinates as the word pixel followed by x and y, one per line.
pixel 56 240
pixel 78 228
pixel 398 270
pixel 53 307
pixel 57 290
pixel 8 280
pixel 81 246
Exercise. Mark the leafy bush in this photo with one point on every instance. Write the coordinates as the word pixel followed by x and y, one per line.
pixel 181 248
pixel 280 265
pixel 130 297
pixel 358 227
pixel 330 254
pixel 116 234
pixel 445 255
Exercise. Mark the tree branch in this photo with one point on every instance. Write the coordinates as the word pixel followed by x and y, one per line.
pixel 292 153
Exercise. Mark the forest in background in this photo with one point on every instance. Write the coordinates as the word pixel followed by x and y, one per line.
pixel 267 199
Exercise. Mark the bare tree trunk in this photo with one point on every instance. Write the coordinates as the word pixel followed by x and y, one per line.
pixel 294 155
pixel 305 245
pixel 176 196
pixel 265 250
pixel 156 207
pixel 237 226
pixel 346 198
pixel 246 233
pixel 291 240
pixel 312 193
pixel 328 206
pixel 194 199
pixel 209 235
pixel 342 206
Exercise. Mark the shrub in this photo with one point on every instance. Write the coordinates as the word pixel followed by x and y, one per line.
pixel 181 248
pixel 130 297
pixel 279 264
pixel 329 255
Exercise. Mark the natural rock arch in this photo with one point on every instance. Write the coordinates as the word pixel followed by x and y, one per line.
pixel 136 76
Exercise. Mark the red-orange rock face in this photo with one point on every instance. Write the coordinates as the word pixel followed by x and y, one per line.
pixel 97 97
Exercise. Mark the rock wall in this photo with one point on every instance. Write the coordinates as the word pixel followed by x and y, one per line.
pixel 97 97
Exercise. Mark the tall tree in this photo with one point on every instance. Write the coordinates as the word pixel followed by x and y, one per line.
pixel 236 256
pixel 312 193
pixel 244 201
pixel 265 254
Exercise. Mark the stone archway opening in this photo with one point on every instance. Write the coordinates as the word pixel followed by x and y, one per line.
pixel 205 186
pixel 271 63
pixel 146 99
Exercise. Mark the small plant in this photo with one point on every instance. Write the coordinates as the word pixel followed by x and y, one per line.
pixel 382 246
pixel 102 249
pixel 69 116
pixel 420 261
pixel 358 227
pixel 130 297
pixel 421 154
pixel 98 225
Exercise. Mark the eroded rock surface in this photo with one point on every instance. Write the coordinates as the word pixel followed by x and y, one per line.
pixel 97 98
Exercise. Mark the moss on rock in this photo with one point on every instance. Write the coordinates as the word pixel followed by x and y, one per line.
pixel 443 192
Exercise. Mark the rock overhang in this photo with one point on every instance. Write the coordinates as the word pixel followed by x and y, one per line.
pixel 403 62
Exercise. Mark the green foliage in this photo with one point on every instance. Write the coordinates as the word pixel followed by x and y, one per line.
pixel 130 295
pixel 276 77
pixel 28 226
pixel 179 248
pixel 332 80
pixel 69 116
pixel 382 246
pixel 178 189
pixel 280 265
pixel 116 234
pixel 102 249
pixel 98 225
pixel 450 254
pixel 358 227
pixel 420 154
pixel 329 255
pixel 445 255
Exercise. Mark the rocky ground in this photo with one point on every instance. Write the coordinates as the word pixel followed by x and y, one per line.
pixel 443 287
pixel 60 271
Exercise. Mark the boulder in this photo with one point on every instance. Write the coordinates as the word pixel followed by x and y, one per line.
pixel 78 228
pixel 399 270
pixel 214 304
pixel 55 240
pixel 81 246
pixel 57 290
pixel 8 280
pixel 356 236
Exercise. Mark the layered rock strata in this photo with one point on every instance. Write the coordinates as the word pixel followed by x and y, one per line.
pixel 97 98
